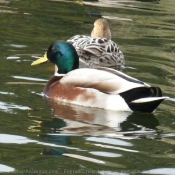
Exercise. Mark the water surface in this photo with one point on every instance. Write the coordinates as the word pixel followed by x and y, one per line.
pixel 39 136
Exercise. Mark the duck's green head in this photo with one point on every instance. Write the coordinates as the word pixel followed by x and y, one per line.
pixel 62 54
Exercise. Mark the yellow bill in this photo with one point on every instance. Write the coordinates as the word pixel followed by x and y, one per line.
pixel 40 60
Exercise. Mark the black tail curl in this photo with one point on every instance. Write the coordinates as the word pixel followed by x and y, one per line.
pixel 156 91
pixel 143 92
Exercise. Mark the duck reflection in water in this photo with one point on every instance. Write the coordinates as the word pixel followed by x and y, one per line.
pixel 73 119
pixel 91 121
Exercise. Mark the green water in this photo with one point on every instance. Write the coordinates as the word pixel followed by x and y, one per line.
pixel 38 137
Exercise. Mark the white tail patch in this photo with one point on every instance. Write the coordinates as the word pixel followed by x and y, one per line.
pixel 149 99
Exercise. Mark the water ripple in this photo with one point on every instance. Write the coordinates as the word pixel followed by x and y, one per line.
pixel 29 78
pixel 8 107
pixel 109 141
pixel 5 168
pixel 165 171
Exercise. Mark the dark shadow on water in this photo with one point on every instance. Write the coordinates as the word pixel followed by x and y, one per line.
pixel 142 125
pixel 140 120
pixel 53 152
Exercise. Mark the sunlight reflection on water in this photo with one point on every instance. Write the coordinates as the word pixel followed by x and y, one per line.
pixel 5 168
pixel 165 171
pixel 105 154
pixel 75 137
pixel 29 78
pixel 109 141
pixel 8 107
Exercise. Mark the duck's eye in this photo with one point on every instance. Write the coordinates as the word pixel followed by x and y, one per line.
pixel 53 48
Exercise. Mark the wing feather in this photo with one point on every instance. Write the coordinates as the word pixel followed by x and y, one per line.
pixel 122 75
pixel 97 51
pixel 102 80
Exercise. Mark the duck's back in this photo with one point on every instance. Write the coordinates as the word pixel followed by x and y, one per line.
pixel 97 51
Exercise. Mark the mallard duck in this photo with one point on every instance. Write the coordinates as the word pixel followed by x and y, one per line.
pixel 98 49
pixel 98 87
